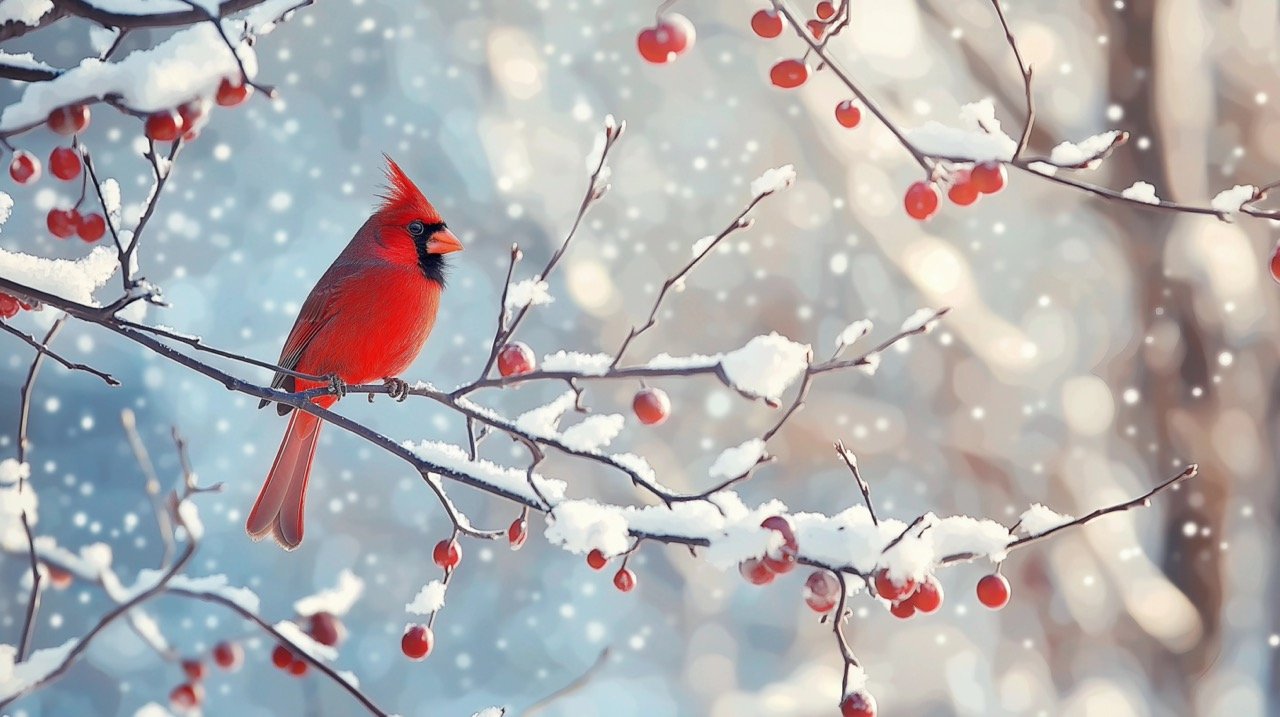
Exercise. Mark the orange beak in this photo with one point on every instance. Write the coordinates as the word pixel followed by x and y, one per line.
pixel 443 242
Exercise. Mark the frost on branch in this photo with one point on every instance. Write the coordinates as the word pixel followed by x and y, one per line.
pixel 978 137
pixel 922 320
pixel 303 641
pixel 1144 192
pixel 852 333
pixel 1087 153
pixel 71 279
pixel 583 525
pixel 23 60
pixel 737 460
pixel 511 481
pixel 577 362
pixel 214 585
pixel 428 600
pixel 337 600
pixel 530 292
pixel 26 12
pixel 543 421
pixel 188 64
pixel 14 678
pixel 766 365
pixel 1038 519
pixel 593 433
pixel 1230 200
pixel 773 180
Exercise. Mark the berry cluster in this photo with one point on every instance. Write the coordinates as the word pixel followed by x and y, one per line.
pixel 65 162
pixel 624 580
pixel 9 308
pixel 790 73
pixel 967 184
pixel 822 593
pixel 188 696
pixel 651 405
pixel 170 124
pixel 323 627
pixel 762 570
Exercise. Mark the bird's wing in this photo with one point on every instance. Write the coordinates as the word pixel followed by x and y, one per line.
pixel 316 312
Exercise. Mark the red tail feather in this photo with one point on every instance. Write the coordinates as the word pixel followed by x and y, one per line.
pixel 279 508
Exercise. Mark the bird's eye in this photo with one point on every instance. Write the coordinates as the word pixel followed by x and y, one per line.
pixel 417 228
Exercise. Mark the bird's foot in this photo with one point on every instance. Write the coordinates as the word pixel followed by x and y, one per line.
pixel 397 388
pixel 336 385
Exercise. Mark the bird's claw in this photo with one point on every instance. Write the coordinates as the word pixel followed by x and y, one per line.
pixel 337 386
pixel 397 388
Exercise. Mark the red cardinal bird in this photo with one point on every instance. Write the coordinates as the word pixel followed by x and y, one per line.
pixel 365 320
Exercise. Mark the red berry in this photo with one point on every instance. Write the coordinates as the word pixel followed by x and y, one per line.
pixel 194 669
pixel 596 559
pixel 825 10
pixel 682 31
pixel 848 114
pixel 232 93
pixel 282 657
pixel 164 126
pixel 890 589
pixel 661 43
pixel 789 74
pixel 755 571
pixel 1275 264
pixel 517 533
pixel 651 47
pixel 447 554
pixel 624 580
pixel 989 177
pixel 327 629
pixel 921 200
pixel 92 227
pixel 783 559
pixel 766 24
pixel 858 704
pixel 9 309
pixel 821 591
pixel 993 591
pixel 298 667
pixel 651 406
pixel 69 120
pixel 903 610
pixel 928 597
pixel 64 163
pixel 963 190
pixel 817 28
pixel 228 655
pixel 63 223
pixel 417 641
pixel 24 167
pixel 515 359
pixel 186 697
pixel 192 111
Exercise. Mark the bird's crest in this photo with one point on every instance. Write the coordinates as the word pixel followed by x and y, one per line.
pixel 402 202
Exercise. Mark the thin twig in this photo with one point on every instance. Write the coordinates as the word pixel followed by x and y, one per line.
pixel 24 444
pixel 152 486
pixel 44 350
pixel 851 461
pixel 577 684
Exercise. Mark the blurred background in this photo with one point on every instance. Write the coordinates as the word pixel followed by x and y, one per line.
pixel 1092 351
